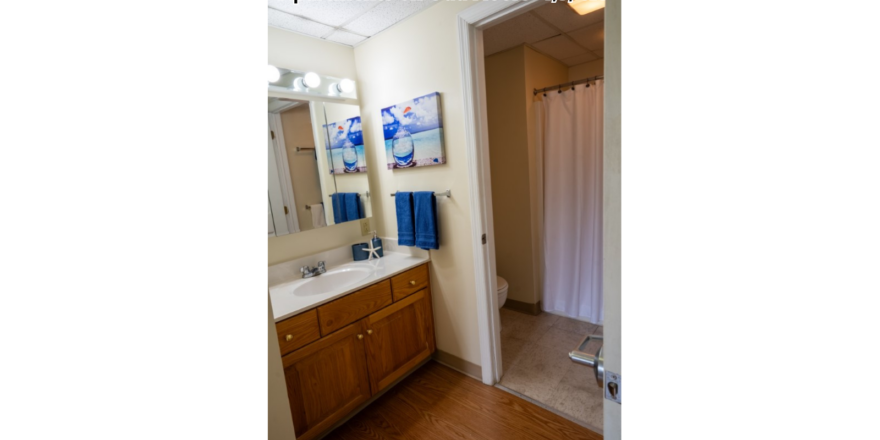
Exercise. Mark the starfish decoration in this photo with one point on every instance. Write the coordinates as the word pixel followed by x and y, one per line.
pixel 372 250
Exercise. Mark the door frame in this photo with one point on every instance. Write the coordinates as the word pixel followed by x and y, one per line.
pixel 471 23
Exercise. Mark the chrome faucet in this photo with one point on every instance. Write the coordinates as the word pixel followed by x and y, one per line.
pixel 308 272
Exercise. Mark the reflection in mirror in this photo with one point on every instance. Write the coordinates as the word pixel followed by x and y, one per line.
pixel 314 148
pixel 344 147
pixel 296 185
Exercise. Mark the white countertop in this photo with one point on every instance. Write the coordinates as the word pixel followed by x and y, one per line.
pixel 286 304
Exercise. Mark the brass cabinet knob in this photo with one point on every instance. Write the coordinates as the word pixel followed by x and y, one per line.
pixel 360 336
pixel 369 332
pixel 288 338
pixel 412 283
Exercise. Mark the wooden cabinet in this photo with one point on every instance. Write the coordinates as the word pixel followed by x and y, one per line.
pixel 326 380
pixel 398 338
pixel 368 339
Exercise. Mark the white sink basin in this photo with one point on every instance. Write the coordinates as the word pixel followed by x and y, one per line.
pixel 332 280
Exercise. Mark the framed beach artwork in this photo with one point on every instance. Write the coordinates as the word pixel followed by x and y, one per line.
pixel 414 133
pixel 345 146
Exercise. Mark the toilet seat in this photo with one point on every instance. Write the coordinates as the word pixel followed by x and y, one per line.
pixel 502 284
pixel 502 291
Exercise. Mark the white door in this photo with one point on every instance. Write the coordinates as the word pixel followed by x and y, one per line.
pixel 611 224
pixel 273 185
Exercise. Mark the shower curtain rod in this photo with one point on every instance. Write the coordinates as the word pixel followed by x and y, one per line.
pixel 572 83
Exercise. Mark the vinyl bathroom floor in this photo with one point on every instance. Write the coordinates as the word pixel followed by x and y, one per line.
pixel 535 363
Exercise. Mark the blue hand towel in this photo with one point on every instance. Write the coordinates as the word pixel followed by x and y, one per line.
pixel 338 208
pixel 406 232
pixel 352 206
pixel 426 220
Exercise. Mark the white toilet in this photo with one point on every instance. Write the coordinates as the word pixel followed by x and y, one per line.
pixel 502 291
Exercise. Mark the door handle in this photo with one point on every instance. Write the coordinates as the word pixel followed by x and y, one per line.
pixel 591 360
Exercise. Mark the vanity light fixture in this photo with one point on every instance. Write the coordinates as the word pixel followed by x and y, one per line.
pixel 274 74
pixel 584 7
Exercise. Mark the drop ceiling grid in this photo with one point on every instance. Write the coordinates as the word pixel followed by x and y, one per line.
pixel 344 22
pixel 560 45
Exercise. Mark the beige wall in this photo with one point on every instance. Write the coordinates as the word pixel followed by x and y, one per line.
pixel 298 52
pixel 416 57
pixel 293 51
pixel 586 70
pixel 509 161
pixel 296 124
pixel 280 419
pixel 511 76
pixel 613 232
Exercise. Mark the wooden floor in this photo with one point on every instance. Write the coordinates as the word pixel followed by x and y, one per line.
pixel 437 402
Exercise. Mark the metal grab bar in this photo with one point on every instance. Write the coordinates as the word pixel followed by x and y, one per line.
pixel 591 360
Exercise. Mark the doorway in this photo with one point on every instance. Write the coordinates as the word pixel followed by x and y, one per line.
pixel 519 338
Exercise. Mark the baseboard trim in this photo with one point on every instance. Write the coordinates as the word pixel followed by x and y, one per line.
pixel 523 307
pixel 459 364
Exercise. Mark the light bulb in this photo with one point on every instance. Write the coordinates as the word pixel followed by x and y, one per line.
pixel 584 7
pixel 346 86
pixel 312 80
pixel 274 74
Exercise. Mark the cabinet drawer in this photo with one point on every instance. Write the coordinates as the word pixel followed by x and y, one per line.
pixel 298 331
pixel 337 314
pixel 409 282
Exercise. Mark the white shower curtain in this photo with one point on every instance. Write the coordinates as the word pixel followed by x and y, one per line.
pixel 572 180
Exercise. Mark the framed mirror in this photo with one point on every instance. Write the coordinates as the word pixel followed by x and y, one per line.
pixel 317 166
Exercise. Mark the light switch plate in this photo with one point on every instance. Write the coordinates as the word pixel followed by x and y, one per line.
pixel 365 226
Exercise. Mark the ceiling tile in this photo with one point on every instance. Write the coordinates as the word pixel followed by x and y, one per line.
pixel 345 37
pixel 580 59
pixel 384 15
pixel 592 37
pixel 333 13
pixel 559 47
pixel 289 22
pixel 562 16
pixel 525 28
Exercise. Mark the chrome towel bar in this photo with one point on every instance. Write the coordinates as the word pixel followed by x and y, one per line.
pixel 447 193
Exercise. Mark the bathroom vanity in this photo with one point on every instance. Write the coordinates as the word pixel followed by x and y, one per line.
pixel 351 329
pixel 353 338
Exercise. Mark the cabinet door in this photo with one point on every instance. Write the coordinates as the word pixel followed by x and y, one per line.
pixel 326 380
pixel 398 338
